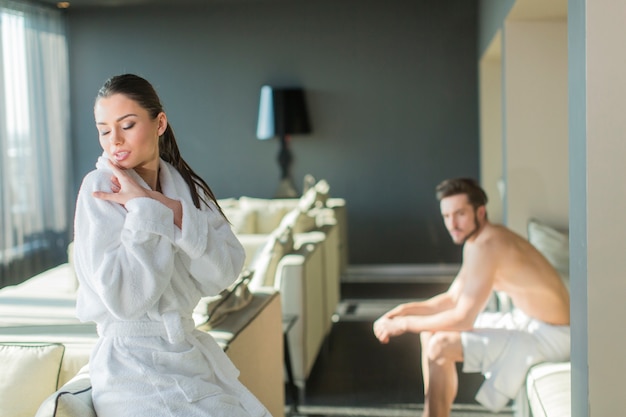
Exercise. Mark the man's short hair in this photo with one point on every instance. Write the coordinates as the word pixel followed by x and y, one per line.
pixel 453 186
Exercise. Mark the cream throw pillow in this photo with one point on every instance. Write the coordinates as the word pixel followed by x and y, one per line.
pixel 269 213
pixel 30 373
pixel 243 221
pixel 308 199
pixel 304 223
pixel 323 191
pixel 283 244
pixel 266 261
pixel 553 244
pixel 298 221
pixel 72 400
pixel 228 202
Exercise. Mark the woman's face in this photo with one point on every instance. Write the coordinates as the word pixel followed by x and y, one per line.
pixel 127 132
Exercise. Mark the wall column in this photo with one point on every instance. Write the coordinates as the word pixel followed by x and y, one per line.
pixel 597 125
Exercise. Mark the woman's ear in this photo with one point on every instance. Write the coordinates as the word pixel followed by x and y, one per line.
pixel 161 123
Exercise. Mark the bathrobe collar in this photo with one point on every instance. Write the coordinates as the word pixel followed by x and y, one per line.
pixel 166 179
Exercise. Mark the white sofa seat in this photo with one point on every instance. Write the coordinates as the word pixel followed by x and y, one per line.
pixel 548 387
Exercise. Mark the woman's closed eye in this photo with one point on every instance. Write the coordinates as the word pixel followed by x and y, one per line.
pixel 128 126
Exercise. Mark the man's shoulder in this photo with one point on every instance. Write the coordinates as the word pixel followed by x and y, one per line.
pixel 492 241
pixel 489 234
pixel 497 233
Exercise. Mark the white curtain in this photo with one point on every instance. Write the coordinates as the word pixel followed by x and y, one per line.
pixel 35 149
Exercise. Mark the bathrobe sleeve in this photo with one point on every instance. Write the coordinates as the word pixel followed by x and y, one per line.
pixel 124 256
pixel 216 254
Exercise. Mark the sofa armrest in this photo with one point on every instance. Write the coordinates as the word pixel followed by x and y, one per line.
pixel 327 238
pixel 300 280
pixel 257 350
pixel 338 205
pixel 72 399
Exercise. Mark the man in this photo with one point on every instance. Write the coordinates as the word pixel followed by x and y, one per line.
pixel 453 326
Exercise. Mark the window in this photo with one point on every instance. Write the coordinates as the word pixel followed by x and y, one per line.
pixel 34 140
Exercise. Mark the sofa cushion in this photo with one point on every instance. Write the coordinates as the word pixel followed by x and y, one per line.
pixel 266 261
pixel 316 196
pixel 549 389
pixel 304 223
pixel 308 199
pixel 298 221
pixel 228 202
pixel 269 213
pixel 71 400
pixel 242 220
pixel 553 244
pixel 30 373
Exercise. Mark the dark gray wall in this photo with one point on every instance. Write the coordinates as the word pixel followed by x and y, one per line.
pixel 491 18
pixel 392 90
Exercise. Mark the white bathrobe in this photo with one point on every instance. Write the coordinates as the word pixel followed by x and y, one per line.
pixel 140 278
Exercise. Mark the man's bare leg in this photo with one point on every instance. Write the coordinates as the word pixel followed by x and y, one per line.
pixel 443 350
pixel 424 338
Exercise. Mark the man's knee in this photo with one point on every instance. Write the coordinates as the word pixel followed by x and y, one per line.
pixel 444 346
pixel 424 338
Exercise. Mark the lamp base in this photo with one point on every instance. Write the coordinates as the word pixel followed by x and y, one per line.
pixel 286 189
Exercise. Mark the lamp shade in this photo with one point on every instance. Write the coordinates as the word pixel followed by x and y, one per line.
pixel 282 111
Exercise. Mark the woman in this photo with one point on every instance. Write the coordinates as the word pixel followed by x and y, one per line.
pixel 150 240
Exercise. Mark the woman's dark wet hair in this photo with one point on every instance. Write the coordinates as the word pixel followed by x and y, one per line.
pixel 475 194
pixel 143 93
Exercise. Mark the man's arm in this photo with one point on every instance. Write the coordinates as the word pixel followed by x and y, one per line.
pixel 433 305
pixel 466 298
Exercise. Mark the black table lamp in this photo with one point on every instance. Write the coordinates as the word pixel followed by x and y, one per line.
pixel 283 112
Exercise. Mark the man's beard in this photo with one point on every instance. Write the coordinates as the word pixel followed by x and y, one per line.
pixel 472 233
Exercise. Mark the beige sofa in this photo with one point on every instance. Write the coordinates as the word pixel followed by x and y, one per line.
pixel 297 247
pixel 43 347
